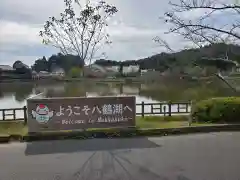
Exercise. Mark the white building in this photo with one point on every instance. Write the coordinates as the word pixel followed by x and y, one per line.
pixel 58 72
pixel 113 68
pixel 130 69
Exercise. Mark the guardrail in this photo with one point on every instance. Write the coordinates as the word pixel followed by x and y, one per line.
pixel 11 114
pixel 166 109
pixel 142 109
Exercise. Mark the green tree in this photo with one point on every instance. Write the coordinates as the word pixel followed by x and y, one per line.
pixel 55 61
pixel 40 65
pixel 75 72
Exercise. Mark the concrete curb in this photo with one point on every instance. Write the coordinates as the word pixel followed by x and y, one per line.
pixel 119 133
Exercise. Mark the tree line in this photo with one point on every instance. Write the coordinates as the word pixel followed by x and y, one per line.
pixel 160 62
pixel 66 62
pixel 184 58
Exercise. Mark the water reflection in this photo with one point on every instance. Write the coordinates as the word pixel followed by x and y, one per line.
pixel 14 95
pixel 20 91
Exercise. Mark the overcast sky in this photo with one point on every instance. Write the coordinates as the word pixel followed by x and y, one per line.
pixel 131 30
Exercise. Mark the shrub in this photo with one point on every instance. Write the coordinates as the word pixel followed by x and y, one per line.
pixel 217 110
pixel 75 72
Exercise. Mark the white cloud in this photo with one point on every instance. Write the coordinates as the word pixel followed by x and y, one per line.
pixel 128 32
pixel 13 32
pixel 132 30
pixel 8 59
pixel 124 33
pixel 30 11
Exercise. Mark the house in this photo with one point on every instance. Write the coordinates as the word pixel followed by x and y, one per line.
pixel 7 72
pixel 18 71
pixel 98 71
pixel 57 71
pixel 130 69
pixel 6 68
pixel 112 68
pixel 94 70
pixel 35 75
pixel 20 65
pixel 44 74
pixel 238 69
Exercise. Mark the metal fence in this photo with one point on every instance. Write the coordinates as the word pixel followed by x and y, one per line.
pixel 143 109
pixel 165 109
pixel 12 114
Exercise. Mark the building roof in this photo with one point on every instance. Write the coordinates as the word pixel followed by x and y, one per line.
pixel 57 69
pixel 6 68
pixel 20 64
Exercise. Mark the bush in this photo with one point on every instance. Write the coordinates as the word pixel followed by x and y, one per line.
pixel 217 110
pixel 75 72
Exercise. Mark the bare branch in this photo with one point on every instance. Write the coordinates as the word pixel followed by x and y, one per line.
pixel 163 43
pixel 200 30
pixel 201 4
pixel 79 30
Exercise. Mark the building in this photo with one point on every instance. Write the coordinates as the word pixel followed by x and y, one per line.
pixel 7 72
pixel 98 71
pixel 57 71
pixel 18 71
pixel 130 69
pixel 112 68
pixel 94 70
pixel 20 65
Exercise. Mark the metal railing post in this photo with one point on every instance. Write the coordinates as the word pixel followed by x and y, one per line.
pixel 169 109
pixel 3 114
pixel 25 114
pixel 142 104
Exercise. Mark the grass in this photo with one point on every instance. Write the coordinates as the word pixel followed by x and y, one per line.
pixel 11 127
pixel 18 128
pixel 166 122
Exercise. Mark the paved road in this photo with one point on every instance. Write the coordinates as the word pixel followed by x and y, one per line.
pixel 214 156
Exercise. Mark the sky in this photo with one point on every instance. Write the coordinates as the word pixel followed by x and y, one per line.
pixel 131 30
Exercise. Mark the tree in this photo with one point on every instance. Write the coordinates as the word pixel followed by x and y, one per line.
pixel 40 65
pixel 65 62
pixel 75 72
pixel 81 29
pixel 204 29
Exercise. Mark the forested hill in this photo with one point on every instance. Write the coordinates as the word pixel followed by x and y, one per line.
pixel 160 61
pixel 183 58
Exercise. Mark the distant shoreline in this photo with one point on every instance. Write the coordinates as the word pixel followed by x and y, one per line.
pixel 117 80
pixel 103 80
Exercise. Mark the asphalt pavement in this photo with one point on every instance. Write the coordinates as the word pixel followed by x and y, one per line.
pixel 213 156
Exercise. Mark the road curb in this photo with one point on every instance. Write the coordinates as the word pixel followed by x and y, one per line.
pixel 119 133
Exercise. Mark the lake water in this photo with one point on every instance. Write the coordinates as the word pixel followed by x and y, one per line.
pixel 14 95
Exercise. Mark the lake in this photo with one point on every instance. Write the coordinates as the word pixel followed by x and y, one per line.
pixel 14 95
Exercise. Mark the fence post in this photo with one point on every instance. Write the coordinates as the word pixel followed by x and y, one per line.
pixel 169 109
pixel 3 114
pixel 190 116
pixel 25 114
pixel 14 114
pixel 164 111
pixel 142 104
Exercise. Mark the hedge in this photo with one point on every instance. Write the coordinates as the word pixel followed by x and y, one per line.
pixel 217 110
